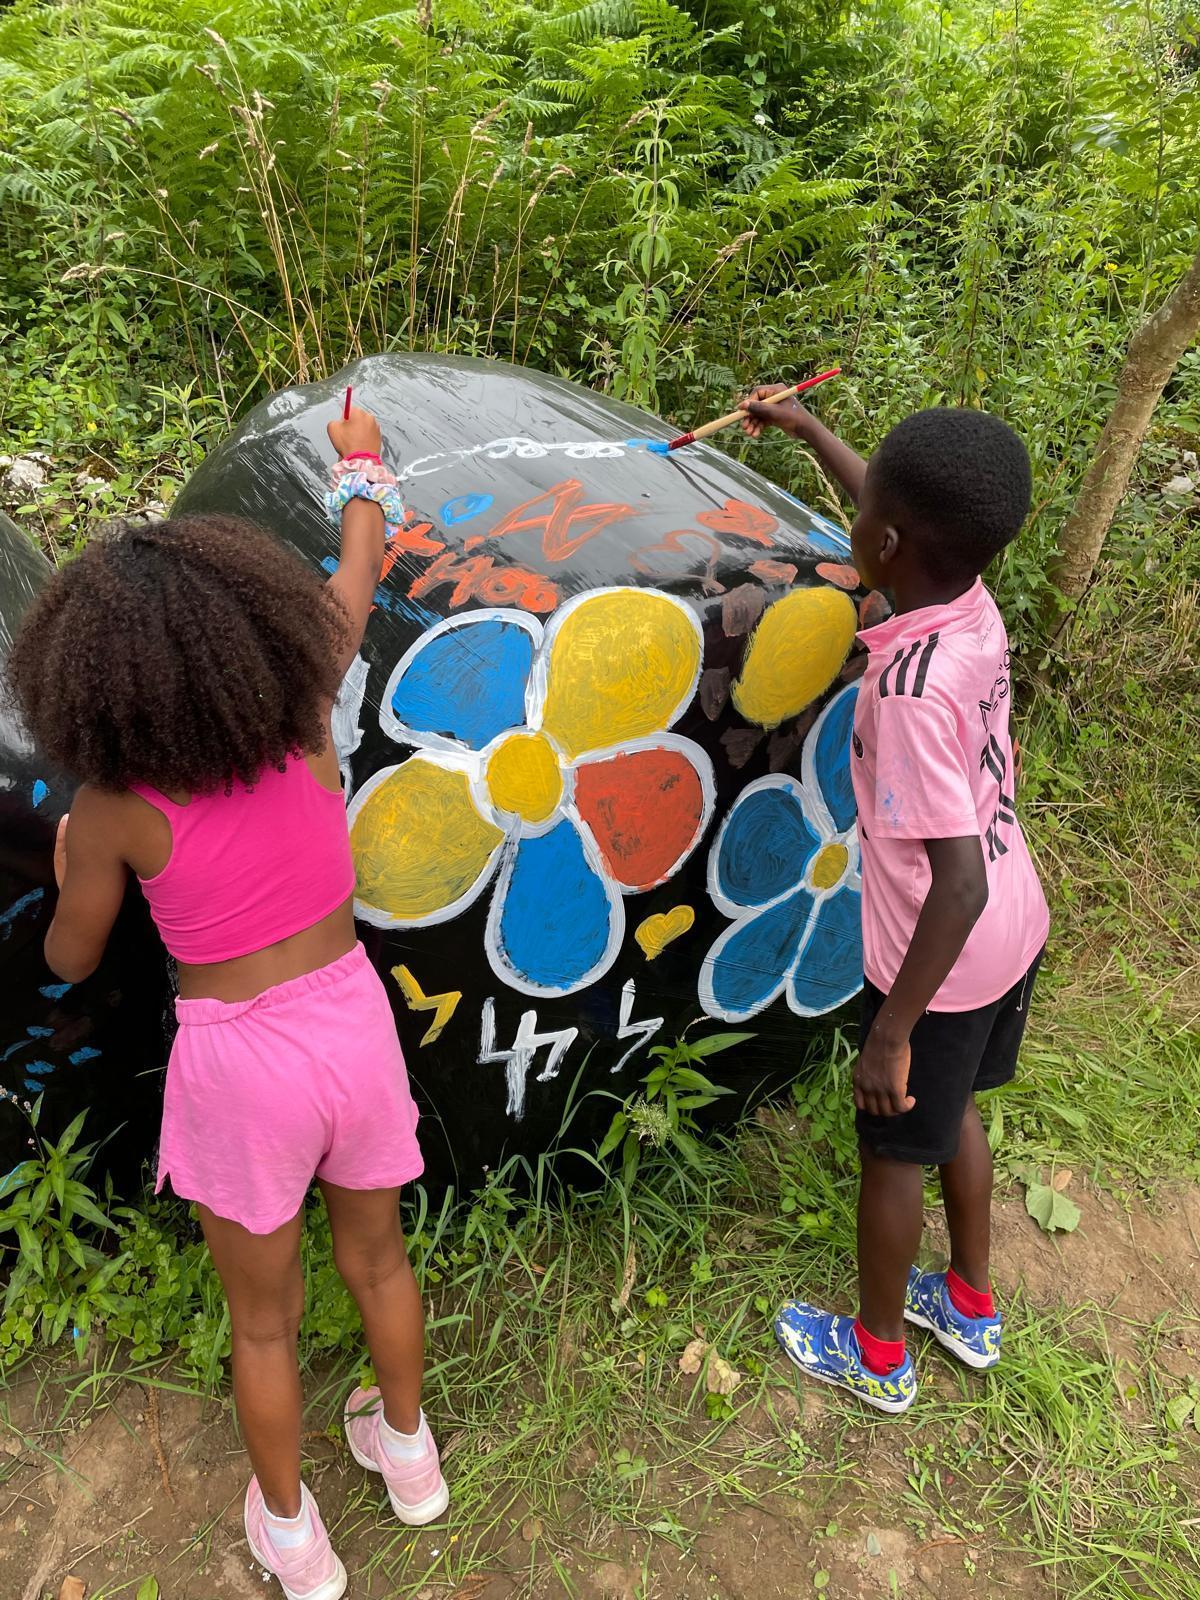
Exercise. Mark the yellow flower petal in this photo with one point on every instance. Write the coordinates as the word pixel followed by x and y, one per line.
pixel 419 844
pixel 622 664
pixel 794 654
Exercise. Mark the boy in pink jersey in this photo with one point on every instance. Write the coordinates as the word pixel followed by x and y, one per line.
pixel 954 918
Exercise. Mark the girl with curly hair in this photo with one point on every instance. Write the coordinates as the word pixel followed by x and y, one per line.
pixel 185 672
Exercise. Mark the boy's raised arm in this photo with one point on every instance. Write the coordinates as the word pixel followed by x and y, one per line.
pixel 846 465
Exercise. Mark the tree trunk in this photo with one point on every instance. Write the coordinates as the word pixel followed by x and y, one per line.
pixel 1154 351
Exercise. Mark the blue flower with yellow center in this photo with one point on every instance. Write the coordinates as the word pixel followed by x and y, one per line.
pixel 785 866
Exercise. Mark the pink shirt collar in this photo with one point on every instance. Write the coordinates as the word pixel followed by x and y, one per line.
pixel 910 625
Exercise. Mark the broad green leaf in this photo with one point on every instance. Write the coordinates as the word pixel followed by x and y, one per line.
pixel 19 1178
pixel 68 1139
pixel 719 1041
pixel 616 1132
pixel 39 1200
pixel 31 1249
pixel 995 1133
pixel 1052 1211
pixel 91 1213
pixel 1180 1409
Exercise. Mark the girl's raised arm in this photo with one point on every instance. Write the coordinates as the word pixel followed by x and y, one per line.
pixel 356 576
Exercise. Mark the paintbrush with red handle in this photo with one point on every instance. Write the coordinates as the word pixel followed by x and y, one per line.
pixel 728 421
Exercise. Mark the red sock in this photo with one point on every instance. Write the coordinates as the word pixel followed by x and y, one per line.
pixel 969 1302
pixel 880 1356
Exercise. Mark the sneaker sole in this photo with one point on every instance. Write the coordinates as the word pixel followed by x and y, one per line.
pixel 333 1589
pixel 893 1408
pixel 417 1516
pixel 962 1352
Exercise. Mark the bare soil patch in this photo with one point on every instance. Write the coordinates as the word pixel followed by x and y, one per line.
pixel 142 1485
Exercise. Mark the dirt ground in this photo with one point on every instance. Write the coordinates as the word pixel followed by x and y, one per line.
pixel 154 1483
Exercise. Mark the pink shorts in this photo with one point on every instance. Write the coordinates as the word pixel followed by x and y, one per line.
pixel 307 1079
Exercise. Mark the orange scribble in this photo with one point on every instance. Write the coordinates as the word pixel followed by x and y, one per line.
pixel 701 549
pixel 409 541
pixel 557 512
pixel 741 520
pixel 478 578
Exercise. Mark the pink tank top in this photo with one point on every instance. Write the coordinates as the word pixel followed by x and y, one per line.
pixel 250 868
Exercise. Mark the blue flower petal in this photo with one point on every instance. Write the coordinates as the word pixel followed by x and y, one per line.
pixel 556 924
pixel 830 971
pixel 765 845
pixel 828 751
pixel 464 681
pixel 745 970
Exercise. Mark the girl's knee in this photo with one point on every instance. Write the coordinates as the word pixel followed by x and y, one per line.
pixel 269 1317
pixel 366 1270
pixel 278 1325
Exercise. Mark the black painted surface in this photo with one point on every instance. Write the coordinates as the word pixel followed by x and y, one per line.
pixel 696 525
pixel 274 469
pixel 99 1044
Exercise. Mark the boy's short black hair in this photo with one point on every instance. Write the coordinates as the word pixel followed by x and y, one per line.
pixel 959 481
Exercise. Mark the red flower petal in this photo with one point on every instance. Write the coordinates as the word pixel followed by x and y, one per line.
pixel 645 810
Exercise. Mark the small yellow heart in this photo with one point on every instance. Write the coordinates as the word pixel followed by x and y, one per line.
pixel 656 933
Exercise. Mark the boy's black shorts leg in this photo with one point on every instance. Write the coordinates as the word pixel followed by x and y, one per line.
pixel 955 1054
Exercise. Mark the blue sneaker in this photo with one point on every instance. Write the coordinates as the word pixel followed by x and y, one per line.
pixel 822 1343
pixel 974 1340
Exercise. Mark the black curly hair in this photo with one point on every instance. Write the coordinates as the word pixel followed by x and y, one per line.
pixel 182 654
pixel 959 481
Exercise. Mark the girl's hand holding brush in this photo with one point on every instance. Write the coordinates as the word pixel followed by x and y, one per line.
pixel 355 432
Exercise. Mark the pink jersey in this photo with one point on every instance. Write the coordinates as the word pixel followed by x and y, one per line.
pixel 933 760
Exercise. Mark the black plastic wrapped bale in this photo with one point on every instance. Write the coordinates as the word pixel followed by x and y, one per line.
pixel 596 746
pixel 98 1046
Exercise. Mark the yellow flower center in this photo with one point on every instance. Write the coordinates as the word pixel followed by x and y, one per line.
pixel 829 866
pixel 523 777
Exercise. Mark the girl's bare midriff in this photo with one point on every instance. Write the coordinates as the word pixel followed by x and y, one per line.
pixel 247 976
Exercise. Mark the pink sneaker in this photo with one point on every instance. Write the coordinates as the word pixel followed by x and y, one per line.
pixel 310 1572
pixel 416 1488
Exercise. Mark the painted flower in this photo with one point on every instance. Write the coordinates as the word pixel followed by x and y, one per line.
pixel 541 761
pixel 785 865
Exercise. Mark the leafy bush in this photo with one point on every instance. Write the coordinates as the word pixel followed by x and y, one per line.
pixel 666 200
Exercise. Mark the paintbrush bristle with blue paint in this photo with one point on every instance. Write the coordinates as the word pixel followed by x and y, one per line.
pixel 660 448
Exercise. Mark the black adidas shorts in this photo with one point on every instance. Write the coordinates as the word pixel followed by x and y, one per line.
pixel 955 1054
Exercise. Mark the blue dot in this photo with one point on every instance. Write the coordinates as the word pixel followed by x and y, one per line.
pixel 464 507
pixel 40 791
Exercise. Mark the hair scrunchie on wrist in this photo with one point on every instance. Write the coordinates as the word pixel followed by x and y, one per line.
pixel 365 479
